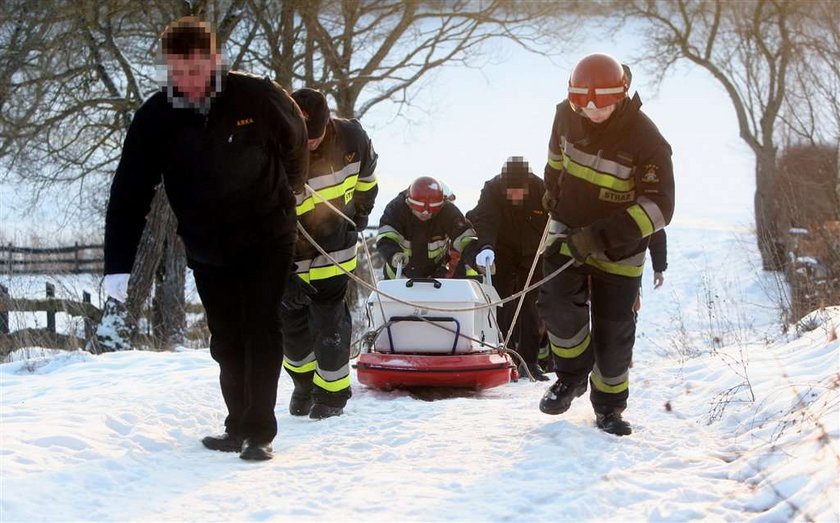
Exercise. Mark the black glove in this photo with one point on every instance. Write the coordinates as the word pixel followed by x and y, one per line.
pixel 361 221
pixel 298 294
pixel 582 243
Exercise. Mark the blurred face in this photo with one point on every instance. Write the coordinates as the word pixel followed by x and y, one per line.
pixel 516 195
pixel 598 115
pixel 422 215
pixel 191 74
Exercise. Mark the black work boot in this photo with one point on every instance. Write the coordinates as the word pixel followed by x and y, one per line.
pixel 322 410
pixel 301 402
pixel 558 398
pixel 223 442
pixel 612 423
pixel 536 372
pixel 328 404
pixel 256 450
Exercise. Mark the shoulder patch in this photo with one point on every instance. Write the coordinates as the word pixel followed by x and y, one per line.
pixel 650 175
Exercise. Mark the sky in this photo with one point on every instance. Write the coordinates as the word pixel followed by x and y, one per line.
pixel 465 122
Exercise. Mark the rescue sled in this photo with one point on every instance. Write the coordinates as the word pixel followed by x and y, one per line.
pixel 406 346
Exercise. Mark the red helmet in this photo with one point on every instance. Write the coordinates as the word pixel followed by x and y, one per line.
pixel 598 79
pixel 425 195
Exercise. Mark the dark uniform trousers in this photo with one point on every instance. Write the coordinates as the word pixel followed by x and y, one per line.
pixel 591 328
pixel 243 315
pixel 317 343
pixel 511 275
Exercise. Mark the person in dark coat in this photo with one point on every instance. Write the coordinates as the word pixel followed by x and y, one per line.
pixel 231 151
pixel 509 221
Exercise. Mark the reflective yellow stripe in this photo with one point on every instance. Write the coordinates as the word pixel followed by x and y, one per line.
pixel 397 237
pixel 642 219
pixel 571 352
pixel 332 386
pixel 557 165
pixel 327 193
pixel 435 253
pixel 390 271
pixel 471 272
pixel 599 384
pixel 592 176
pixel 365 186
pixel 322 273
pixel 611 267
pixel 306 367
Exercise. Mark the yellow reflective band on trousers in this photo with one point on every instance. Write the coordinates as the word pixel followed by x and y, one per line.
pixel 571 352
pixel 598 383
pixel 327 193
pixel 333 381
pixel 301 367
pixel 620 269
pixel 591 175
pixel 642 219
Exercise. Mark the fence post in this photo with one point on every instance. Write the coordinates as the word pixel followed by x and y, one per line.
pixel 51 308
pixel 76 259
pixel 4 316
pixel 9 259
pixel 88 321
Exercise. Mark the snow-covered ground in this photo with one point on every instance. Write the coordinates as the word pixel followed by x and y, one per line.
pixel 733 420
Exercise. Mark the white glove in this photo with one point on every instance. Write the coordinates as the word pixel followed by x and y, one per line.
pixel 116 286
pixel 485 258
pixel 399 258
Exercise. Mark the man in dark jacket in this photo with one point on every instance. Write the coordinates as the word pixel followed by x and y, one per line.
pixel 231 150
pixel 418 229
pixel 609 186
pixel 509 220
pixel 316 320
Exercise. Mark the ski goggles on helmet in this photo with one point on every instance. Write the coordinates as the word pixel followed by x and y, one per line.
pixel 424 208
pixel 596 97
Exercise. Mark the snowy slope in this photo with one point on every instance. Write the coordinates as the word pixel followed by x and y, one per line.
pixel 116 436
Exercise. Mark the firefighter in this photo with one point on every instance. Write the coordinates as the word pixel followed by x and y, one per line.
pixel 231 150
pixel 417 230
pixel 509 220
pixel 609 186
pixel 316 319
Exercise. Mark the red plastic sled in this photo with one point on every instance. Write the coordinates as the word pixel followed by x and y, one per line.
pixel 478 371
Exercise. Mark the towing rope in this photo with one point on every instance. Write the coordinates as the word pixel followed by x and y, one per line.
pixel 372 288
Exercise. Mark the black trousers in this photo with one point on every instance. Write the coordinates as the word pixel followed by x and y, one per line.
pixel 317 343
pixel 243 315
pixel 511 274
pixel 588 314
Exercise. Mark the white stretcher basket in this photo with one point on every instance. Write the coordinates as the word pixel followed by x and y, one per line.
pixel 409 333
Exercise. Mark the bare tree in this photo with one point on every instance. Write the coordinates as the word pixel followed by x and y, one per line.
pixel 754 49
pixel 74 73
pixel 365 52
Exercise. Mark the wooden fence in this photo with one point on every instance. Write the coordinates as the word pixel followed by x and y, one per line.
pixel 76 259
pixel 50 305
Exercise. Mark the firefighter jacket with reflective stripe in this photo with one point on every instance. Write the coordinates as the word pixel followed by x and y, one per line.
pixel 615 177
pixel 341 171
pixel 229 172
pixel 426 242
pixel 505 227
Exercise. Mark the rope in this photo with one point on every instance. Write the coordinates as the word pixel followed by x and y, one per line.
pixel 519 295
pixel 522 298
pixel 371 288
